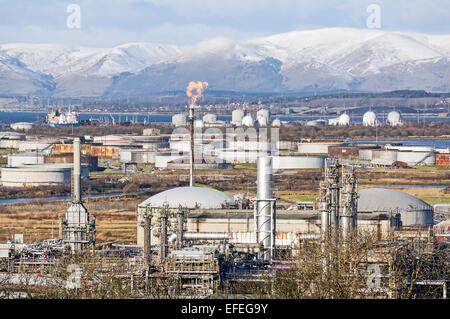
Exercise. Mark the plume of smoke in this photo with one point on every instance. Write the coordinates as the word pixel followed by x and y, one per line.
pixel 195 90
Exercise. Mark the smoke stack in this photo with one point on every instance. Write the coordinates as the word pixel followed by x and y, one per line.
pixel 191 136
pixel 265 207
pixel 76 170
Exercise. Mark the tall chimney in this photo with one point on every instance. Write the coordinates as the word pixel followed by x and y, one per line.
pixel 264 209
pixel 76 170
pixel 191 155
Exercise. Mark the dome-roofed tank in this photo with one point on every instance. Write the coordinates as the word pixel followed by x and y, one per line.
pixel 369 118
pixel 394 118
pixel 247 120
pixel 344 119
pixel 237 116
pixel 413 211
pixel 179 119
pixel 189 197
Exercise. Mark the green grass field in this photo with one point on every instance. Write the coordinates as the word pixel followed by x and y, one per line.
pixel 304 198
pixel 435 200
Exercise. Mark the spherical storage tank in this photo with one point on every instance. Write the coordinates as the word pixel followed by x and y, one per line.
pixel 394 118
pixel 344 119
pixel 369 119
pixel 179 119
pixel 276 122
pixel 413 211
pixel 247 120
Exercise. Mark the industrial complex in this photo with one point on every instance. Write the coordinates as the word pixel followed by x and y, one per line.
pixel 206 240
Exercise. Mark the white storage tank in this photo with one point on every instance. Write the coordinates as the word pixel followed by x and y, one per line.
pixel 179 120
pixel 394 118
pixel 36 175
pixel 365 155
pixel 369 119
pixel 298 162
pixel 25 158
pixel 247 121
pixel 383 157
pixel 417 158
pixel 344 119
pixel 199 124
pixel 413 211
pixel 276 122
pixel 209 118
pixel 316 147
pixel 236 117
pixel 264 113
pixel 23 126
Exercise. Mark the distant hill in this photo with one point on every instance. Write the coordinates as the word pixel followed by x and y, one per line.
pixel 298 62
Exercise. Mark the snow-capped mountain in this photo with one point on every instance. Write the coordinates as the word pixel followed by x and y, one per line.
pixel 313 60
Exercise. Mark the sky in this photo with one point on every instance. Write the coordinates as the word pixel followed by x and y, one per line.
pixel 108 23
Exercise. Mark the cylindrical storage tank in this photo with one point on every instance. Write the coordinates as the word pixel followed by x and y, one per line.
pixel 35 175
pixel 365 155
pixel 298 162
pixel 384 157
pixel 316 148
pixel 262 121
pixel 369 119
pixel 209 118
pixel 247 121
pixel 179 120
pixel 25 146
pixel 23 126
pixel 237 116
pixel 264 113
pixel 26 158
pixel 417 158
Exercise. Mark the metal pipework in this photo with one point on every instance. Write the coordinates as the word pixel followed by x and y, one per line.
pixel 147 239
pixel 264 208
pixel 76 170
pixel 191 155
pixel 180 229
pixel 207 236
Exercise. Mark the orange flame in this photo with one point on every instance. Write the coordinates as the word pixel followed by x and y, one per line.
pixel 198 87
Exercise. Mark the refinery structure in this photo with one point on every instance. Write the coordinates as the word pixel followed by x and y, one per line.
pixel 199 241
